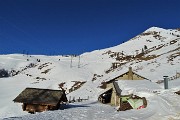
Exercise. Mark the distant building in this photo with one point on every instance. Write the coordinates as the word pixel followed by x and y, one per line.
pixel 121 92
pixel 114 92
pixel 129 75
pixel 38 100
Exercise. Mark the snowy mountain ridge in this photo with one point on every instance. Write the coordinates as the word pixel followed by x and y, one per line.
pixel 152 51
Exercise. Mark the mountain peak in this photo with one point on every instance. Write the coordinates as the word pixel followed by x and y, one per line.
pixel 157 29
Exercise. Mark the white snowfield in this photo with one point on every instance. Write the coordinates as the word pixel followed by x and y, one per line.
pixel 53 70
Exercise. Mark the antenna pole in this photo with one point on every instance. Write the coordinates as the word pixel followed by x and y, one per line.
pixel 79 62
pixel 71 62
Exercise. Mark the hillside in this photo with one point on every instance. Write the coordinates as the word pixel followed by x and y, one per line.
pixel 152 54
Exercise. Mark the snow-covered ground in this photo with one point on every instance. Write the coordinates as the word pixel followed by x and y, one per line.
pixel 163 104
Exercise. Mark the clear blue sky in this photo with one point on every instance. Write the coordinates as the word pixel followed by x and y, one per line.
pixel 78 26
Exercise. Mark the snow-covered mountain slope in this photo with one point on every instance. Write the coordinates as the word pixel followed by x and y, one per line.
pixel 152 54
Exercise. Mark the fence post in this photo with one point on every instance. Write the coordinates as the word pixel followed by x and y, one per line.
pixel 69 98
pixel 74 99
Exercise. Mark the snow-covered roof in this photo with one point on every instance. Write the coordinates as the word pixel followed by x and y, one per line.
pixel 39 96
pixel 132 86
pixel 105 90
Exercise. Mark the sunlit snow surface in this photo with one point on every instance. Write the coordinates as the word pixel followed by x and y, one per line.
pixel 160 107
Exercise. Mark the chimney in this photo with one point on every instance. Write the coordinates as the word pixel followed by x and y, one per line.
pixel 165 82
pixel 130 74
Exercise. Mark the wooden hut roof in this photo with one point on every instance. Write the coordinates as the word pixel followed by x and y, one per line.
pixel 114 79
pixel 105 90
pixel 39 96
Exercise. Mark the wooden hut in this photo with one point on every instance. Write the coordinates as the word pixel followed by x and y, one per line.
pixel 122 93
pixel 38 100
pixel 116 91
pixel 113 96
pixel 129 75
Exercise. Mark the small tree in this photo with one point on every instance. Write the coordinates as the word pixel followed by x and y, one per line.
pixel 145 47
pixel 3 73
